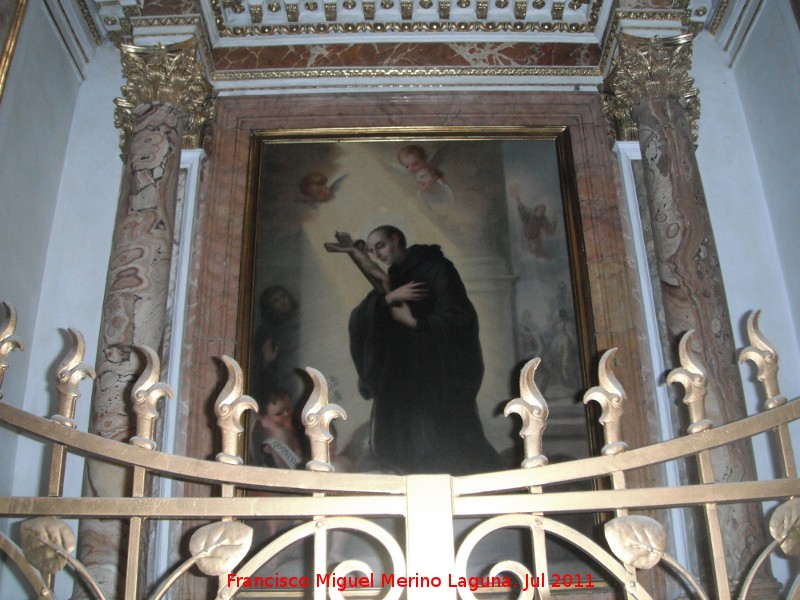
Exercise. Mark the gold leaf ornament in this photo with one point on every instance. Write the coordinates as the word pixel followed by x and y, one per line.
pixel 784 526
pixel 219 547
pixel 636 540
pixel 38 535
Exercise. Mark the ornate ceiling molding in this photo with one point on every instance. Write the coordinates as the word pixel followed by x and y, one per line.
pixel 255 44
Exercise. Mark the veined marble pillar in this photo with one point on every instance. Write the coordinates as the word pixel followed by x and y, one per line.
pixel 166 101
pixel 649 96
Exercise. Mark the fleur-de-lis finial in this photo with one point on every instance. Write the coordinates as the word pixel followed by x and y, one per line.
pixel 532 408
pixel 693 379
pixel 71 372
pixel 765 357
pixel 317 416
pixel 146 393
pixel 229 408
pixel 8 341
pixel 611 398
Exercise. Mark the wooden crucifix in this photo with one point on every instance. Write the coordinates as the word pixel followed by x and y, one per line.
pixel 357 251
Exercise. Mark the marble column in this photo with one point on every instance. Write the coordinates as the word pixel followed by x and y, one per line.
pixel 166 97
pixel 649 95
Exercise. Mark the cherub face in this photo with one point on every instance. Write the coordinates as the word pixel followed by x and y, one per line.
pixel 412 162
pixel 279 412
pixel 425 180
pixel 318 192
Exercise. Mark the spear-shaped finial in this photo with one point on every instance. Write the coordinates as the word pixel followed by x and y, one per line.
pixel 693 379
pixel 317 416
pixel 763 354
pixel 532 408
pixel 71 372
pixel 8 341
pixel 229 408
pixel 611 398
pixel 147 391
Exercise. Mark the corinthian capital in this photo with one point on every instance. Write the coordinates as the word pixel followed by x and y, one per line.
pixel 169 75
pixel 645 69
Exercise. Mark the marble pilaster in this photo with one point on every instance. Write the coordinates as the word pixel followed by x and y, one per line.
pixel 649 94
pixel 165 88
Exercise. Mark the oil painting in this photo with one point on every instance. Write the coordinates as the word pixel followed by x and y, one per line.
pixel 418 271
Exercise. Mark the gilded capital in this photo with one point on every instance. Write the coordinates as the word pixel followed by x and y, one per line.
pixel 645 69
pixel 169 75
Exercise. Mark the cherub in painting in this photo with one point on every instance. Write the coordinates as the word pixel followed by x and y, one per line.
pixel 314 188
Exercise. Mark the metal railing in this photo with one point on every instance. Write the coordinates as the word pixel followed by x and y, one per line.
pixel 429 560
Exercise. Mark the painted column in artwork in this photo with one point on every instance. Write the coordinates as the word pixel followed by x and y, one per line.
pixel 649 96
pixel 166 103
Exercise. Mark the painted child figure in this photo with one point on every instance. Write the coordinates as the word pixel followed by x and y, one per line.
pixel 432 189
pixel 412 157
pixel 315 190
pixel 280 446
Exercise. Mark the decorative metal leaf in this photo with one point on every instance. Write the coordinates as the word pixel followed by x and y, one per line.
pixel 37 534
pixel 636 540
pixel 785 526
pixel 219 547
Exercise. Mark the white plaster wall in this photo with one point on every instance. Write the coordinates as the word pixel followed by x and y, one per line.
pixel 745 232
pixel 71 278
pixel 767 73
pixel 34 129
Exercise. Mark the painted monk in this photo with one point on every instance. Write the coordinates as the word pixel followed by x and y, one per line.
pixel 418 357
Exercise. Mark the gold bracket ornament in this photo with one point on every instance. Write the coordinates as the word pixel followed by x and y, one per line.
pixel 784 527
pixel 147 391
pixel 8 341
pixel 216 549
pixel 532 408
pixel 638 541
pixel 229 408
pixel 611 398
pixel 70 373
pixel 48 543
pixel 644 69
pixel 317 416
pixel 693 379
pixel 165 74
pixel 765 357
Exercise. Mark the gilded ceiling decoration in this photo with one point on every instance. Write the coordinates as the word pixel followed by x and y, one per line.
pixel 253 44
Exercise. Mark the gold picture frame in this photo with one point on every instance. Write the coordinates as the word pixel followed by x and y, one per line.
pixel 11 15
pixel 505 212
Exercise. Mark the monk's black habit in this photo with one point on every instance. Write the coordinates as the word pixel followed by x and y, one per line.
pixel 423 381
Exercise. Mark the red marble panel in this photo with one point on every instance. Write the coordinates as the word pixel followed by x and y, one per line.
pixel 638 4
pixel 214 299
pixel 163 8
pixel 220 252
pixel 406 55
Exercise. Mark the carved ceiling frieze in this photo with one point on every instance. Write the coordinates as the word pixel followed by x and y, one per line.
pixel 527 41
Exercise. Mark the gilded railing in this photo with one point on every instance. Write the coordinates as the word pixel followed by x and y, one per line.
pixel 427 559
